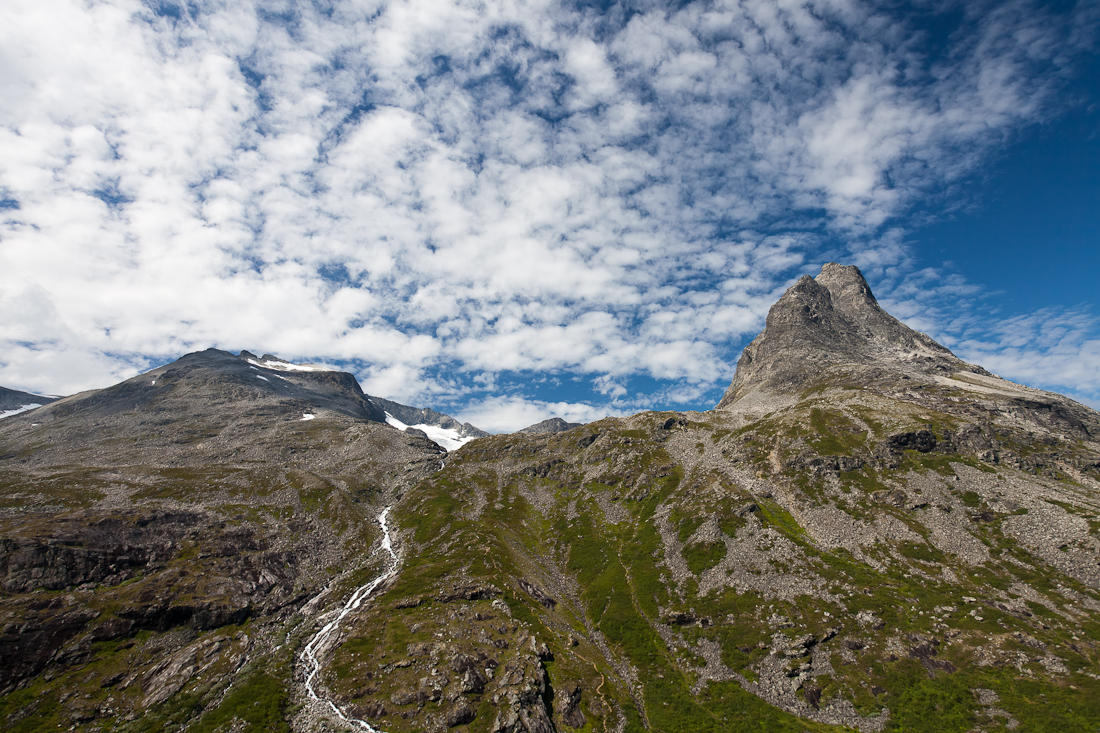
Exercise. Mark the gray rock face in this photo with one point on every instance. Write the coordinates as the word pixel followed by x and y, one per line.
pixel 830 332
pixel 208 378
pixel 828 321
pixel 553 425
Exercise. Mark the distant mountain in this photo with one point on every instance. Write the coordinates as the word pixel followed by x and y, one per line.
pixel 13 402
pixel 831 325
pixel 442 429
pixel 553 425
pixel 206 494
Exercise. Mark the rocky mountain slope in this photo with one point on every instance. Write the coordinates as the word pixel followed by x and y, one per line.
pixel 866 534
pixel 442 429
pixel 156 536
pixel 553 425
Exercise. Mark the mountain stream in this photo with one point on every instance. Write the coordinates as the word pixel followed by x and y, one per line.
pixel 319 642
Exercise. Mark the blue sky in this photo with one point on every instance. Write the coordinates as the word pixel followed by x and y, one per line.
pixel 510 210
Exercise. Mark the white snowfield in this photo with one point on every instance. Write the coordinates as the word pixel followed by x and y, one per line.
pixel 446 438
pixel 307 416
pixel 16 411
pixel 286 366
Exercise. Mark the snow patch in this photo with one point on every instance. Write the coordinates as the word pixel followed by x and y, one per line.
pixel 21 408
pixel 446 438
pixel 263 378
pixel 308 416
pixel 286 366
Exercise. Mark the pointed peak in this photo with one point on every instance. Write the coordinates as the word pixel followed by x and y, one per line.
pixel 848 288
pixel 833 322
pixel 834 272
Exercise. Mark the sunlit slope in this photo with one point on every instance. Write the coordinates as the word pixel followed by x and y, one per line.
pixel 850 559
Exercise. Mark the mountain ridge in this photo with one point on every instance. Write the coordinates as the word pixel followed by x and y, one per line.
pixel 869 534
pixel 14 402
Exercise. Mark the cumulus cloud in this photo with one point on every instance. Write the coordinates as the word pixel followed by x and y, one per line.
pixel 433 191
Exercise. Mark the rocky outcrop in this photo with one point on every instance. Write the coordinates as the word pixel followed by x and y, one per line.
pixel 518 696
pixel 30 564
pixel 567 704
pixel 32 632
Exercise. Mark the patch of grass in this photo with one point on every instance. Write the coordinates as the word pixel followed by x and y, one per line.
pixel 922 704
pixel 942 464
pixel 865 479
pixel 836 434
pixel 33 708
pixel 1070 508
pixel 688 526
pixel 702 556
pixel 730 523
pixel 774 515
pixel 257 703
pixel 971 499
pixel 921 551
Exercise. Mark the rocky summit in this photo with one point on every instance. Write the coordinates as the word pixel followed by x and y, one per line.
pixel 830 329
pixel 866 534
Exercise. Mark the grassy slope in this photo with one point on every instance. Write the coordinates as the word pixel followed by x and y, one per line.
pixel 623 584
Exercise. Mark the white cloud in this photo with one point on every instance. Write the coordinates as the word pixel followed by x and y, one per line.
pixel 509 414
pixel 1051 348
pixel 434 191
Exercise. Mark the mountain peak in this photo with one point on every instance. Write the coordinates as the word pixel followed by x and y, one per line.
pixel 849 290
pixel 834 321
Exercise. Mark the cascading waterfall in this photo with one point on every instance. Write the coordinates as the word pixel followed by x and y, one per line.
pixel 316 646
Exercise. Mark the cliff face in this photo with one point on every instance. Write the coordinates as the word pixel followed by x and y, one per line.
pixel 824 324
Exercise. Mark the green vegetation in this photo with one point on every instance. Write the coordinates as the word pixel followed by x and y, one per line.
pixel 971 499
pixel 544 556
pixel 921 551
pixel 256 703
pixel 835 434
pixel 704 555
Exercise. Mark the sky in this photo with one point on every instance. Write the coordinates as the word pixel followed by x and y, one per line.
pixel 514 209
